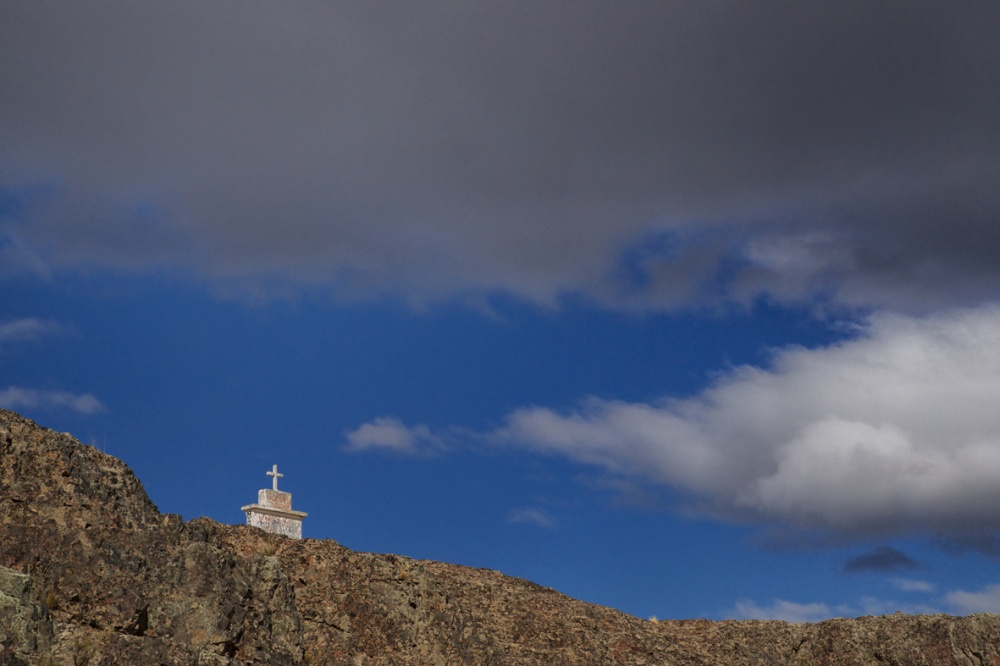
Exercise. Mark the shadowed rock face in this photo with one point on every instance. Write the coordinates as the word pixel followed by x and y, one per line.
pixel 94 574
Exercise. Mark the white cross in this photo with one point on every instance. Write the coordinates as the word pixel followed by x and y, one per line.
pixel 274 473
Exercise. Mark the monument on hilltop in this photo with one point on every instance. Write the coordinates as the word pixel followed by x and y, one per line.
pixel 273 511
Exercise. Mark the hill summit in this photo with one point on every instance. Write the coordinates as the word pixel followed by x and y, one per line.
pixel 92 573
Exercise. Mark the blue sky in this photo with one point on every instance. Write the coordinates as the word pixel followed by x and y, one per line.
pixel 689 310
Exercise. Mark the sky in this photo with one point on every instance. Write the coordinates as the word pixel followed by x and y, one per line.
pixel 691 309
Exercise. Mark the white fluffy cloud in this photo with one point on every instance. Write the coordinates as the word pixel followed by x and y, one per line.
pixel 389 434
pixel 895 431
pixel 14 397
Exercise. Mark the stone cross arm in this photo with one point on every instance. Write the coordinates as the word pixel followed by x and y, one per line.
pixel 274 473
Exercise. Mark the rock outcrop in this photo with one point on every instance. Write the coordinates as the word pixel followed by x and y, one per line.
pixel 25 627
pixel 92 573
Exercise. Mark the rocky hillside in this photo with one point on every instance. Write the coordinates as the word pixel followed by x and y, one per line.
pixel 91 573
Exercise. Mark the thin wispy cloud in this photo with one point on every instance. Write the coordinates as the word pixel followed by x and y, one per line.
pixel 869 605
pixel 16 259
pixel 791 611
pixel 15 398
pixel 389 434
pixel 531 516
pixel 780 609
pixel 956 602
pixel 625 492
pixel 911 585
pixel 986 600
pixel 26 330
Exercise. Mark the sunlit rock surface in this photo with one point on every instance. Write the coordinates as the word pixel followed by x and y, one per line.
pixel 93 573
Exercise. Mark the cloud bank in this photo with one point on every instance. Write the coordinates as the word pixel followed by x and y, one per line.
pixel 652 155
pixel 893 432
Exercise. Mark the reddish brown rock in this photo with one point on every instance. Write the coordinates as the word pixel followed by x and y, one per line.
pixel 113 581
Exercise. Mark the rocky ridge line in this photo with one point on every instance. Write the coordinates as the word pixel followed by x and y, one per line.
pixel 92 573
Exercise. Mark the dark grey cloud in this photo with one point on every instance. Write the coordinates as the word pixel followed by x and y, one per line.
pixel 882 559
pixel 736 148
